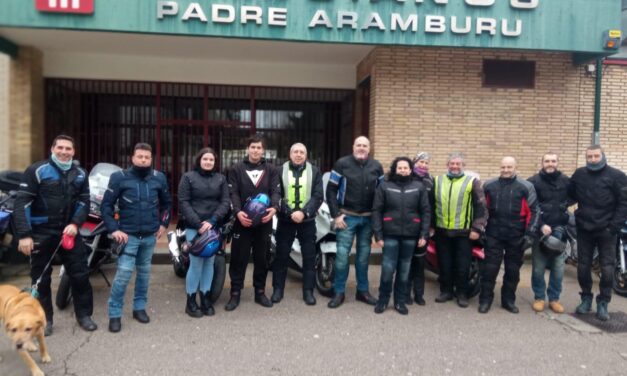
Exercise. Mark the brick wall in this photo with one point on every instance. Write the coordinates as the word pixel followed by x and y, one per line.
pixel 4 111
pixel 432 99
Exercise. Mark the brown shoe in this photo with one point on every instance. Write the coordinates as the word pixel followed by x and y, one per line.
pixel 538 305
pixel 556 307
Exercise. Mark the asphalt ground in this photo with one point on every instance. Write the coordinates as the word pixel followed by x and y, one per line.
pixel 294 339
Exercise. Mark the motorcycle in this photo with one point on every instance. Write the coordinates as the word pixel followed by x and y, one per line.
pixel 9 183
pixel 177 246
pixel 101 248
pixel 474 273
pixel 325 251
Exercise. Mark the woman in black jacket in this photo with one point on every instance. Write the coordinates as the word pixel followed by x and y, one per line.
pixel 400 220
pixel 204 203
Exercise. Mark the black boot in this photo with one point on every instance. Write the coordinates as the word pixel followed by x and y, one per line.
pixel 262 299
pixel 337 301
pixel 205 304
pixel 308 297
pixel 233 302
pixel 191 308
pixel 277 295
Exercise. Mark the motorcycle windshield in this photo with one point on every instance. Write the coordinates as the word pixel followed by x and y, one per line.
pixel 99 180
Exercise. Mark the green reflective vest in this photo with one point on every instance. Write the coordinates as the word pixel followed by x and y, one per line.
pixel 453 202
pixel 296 198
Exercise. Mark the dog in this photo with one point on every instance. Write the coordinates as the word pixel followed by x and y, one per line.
pixel 24 320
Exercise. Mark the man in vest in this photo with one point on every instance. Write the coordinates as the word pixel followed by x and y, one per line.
pixel 301 196
pixel 460 218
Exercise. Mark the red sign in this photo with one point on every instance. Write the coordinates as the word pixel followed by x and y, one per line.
pixel 65 6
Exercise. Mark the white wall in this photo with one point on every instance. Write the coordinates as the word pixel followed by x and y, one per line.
pixel 235 72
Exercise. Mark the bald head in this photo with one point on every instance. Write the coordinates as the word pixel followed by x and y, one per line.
pixel 508 167
pixel 361 148
pixel 298 154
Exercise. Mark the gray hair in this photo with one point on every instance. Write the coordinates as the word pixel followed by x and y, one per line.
pixel 298 144
pixel 456 155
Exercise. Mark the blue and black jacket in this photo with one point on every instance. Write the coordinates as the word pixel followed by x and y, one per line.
pixel 49 199
pixel 144 202
pixel 352 185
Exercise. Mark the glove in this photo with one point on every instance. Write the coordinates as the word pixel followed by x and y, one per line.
pixel 526 243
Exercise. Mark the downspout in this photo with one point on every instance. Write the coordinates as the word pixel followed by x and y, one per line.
pixel 596 133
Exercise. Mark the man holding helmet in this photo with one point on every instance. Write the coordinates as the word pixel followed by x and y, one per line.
pixel 253 184
pixel 552 190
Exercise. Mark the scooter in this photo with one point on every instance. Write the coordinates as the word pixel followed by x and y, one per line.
pixel 9 183
pixel 474 274
pixel 177 246
pixel 101 248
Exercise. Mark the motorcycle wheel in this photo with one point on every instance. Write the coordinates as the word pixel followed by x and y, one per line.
pixel 219 275
pixel 324 278
pixel 179 269
pixel 474 279
pixel 620 282
pixel 64 292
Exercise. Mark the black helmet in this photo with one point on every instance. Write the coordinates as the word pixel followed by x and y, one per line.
pixel 555 243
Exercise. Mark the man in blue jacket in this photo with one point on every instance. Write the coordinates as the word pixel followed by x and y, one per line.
pixel 142 196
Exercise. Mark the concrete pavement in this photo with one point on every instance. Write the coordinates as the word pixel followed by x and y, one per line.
pixel 294 339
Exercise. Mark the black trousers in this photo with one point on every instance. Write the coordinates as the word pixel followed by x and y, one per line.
pixel 285 234
pixel 417 274
pixel 75 263
pixel 244 239
pixel 454 258
pixel 496 251
pixel 606 244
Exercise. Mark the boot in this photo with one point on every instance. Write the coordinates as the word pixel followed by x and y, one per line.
pixel 337 301
pixel 205 304
pixel 262 299
pixel 602 313
pixel 462 301
pixel 191 308
pixel 538 305
pixel 233 302
pixel 484 307
pixel 277 295
pixel 380 307
pixel 308 297
pixel 444 297
pixel 585 306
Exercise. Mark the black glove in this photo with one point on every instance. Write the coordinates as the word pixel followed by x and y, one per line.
pixel 526 242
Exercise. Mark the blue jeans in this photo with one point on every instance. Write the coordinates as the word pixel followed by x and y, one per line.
pixel 397 254
pixel 200 273
pixel 541 261
pixel 362 228
pixel 137 254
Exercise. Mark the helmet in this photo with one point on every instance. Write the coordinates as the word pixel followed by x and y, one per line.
pixel 555 242
pixel 255 208
pixel 206 244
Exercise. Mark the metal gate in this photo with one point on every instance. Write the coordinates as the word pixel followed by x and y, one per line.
pixel 107 118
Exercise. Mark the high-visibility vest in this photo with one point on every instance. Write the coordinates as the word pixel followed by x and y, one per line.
pixel 303 184
pixel 453 202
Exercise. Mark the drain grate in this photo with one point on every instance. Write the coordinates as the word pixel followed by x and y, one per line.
pixel 616 324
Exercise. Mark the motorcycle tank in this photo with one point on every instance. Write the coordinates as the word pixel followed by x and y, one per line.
pixel 99 181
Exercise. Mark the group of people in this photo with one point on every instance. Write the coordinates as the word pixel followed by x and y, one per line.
pixel 403 210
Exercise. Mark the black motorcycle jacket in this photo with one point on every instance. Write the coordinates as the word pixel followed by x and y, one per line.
pixel 601 197
pixel 247 179
pixel 352 185
pixel 401 208
pixel 203 196
pixel 552 192
pixel 49 199
pixel 513 210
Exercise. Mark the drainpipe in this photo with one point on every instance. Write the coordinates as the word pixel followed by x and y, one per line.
pixel 596 134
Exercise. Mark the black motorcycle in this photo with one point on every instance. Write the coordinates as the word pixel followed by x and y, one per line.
pixel 9 183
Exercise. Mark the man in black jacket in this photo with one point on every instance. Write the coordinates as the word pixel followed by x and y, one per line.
pixel 552 189
pixel 601 194
pixel 513 216
pixel 350 195
pixel 142 195
pixel 247 179
pixel 301 196
pixel 53 200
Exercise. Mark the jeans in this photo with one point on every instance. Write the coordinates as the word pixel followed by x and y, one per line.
pixel 362 228
pixel 397 254
pixel 285 234
pixel 606 243
pixel 542 261
pixel 137 255
pixel 200 273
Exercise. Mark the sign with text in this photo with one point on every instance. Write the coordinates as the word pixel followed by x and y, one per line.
pixel 65 6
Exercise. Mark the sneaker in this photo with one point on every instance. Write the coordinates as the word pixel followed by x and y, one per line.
pixel 556 306
pixel 538 305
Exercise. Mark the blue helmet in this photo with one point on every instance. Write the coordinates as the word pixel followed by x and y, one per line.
pixel 256 208
pixel 207 244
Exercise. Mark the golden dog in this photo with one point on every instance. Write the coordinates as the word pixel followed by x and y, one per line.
pixel 24 320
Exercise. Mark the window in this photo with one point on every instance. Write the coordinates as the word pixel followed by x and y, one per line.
pixel 509 74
